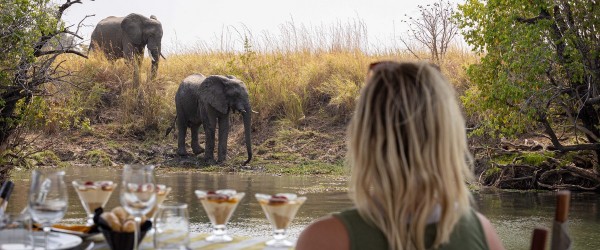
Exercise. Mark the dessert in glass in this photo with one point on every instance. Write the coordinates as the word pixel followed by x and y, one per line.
pixel 93 195
pixel 161 194
pixel 219 206
pixel 280 210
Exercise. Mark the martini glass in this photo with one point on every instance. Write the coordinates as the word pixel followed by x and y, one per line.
pixel 93 195
pixel 161 195
pixel 280 210
pixel 219 206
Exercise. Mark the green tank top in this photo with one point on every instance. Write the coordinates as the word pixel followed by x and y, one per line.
pixel 468 233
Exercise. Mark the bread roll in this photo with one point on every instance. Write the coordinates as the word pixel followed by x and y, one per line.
pixel 120 213
pixel 128 227
pixel 112 220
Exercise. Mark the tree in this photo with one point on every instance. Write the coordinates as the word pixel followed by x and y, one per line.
pixel 433 29
pixel 540 71
pixel 26 62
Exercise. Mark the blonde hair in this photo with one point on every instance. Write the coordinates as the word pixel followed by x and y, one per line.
pixel 408 154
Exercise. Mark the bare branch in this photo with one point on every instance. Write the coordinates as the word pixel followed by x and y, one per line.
pixel 64 7
pixel 53 52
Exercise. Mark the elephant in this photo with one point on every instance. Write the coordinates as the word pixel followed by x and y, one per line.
pixel 208 101
pixel 126 37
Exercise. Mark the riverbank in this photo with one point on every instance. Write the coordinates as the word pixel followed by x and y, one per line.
pixel 303 101
pixel 315 146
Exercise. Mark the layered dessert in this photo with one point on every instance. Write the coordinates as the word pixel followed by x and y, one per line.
pixel 138 198
pixel 93 194
pixel 161 194
pixel 219 205
pixel 280 209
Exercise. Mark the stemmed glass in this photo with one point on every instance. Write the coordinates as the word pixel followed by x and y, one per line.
pixel 93 195
pixel 137 194
pixel 219 206
pixel 280 210
pixel 48 199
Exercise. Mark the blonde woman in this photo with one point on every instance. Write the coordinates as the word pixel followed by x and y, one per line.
pixel 409 159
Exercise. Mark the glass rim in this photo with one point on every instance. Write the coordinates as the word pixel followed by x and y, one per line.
pixel 179 205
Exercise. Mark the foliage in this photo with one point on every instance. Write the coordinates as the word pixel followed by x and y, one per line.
pixel 528 158
pixel 26 63
pixel 535 159
pixel 492 171
pixel 539 69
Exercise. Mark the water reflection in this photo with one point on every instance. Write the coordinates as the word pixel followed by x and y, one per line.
pixel 514 214
pixel 248 219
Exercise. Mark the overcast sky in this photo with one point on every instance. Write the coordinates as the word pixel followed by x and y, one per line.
pixel 187 22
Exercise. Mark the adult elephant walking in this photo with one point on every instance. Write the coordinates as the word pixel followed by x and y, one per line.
pixel 126 37
pixel 208 101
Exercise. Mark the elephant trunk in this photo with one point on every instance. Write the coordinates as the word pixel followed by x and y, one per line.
pixel 155 54
pixel 247 128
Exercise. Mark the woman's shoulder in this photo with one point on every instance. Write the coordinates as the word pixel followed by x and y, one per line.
pixel 326 233
pixel 491 236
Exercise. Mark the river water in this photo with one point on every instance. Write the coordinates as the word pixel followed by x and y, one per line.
pixel 514 214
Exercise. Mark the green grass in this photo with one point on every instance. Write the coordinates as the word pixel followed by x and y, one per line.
pixel 46 158
pixel 98 157
pixel 529 158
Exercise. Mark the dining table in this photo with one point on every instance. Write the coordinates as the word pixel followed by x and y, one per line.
pixel 197 241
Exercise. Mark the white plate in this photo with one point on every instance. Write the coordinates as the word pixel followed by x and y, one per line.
pixel 14 239
pixel 56 240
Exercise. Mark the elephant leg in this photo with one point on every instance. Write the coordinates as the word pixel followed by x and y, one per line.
pixel 223 134
pixel 195 144
pixel 181 131
pixel 132 55
pixel 137 64
pixel 209 130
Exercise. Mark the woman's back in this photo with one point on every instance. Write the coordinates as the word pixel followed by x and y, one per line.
pixel 467 234
pixel 407 150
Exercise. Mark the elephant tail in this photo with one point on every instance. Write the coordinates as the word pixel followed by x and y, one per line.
pixel 170 128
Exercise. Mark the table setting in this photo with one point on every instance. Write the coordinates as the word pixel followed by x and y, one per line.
pixel 142 221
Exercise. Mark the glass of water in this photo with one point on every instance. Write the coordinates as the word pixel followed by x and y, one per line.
pixel 171 226
pixel 138 194
pixel 48 199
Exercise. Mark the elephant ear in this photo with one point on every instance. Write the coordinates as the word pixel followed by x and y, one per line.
pixel 132 27
pixel 212 91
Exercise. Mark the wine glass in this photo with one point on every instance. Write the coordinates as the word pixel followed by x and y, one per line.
pixel 48 199
pixel 137 194
pixel 280 210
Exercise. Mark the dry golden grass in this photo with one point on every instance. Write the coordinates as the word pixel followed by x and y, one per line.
pixel 282 85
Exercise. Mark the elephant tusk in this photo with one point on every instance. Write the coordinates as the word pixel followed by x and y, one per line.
pixel 254 112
